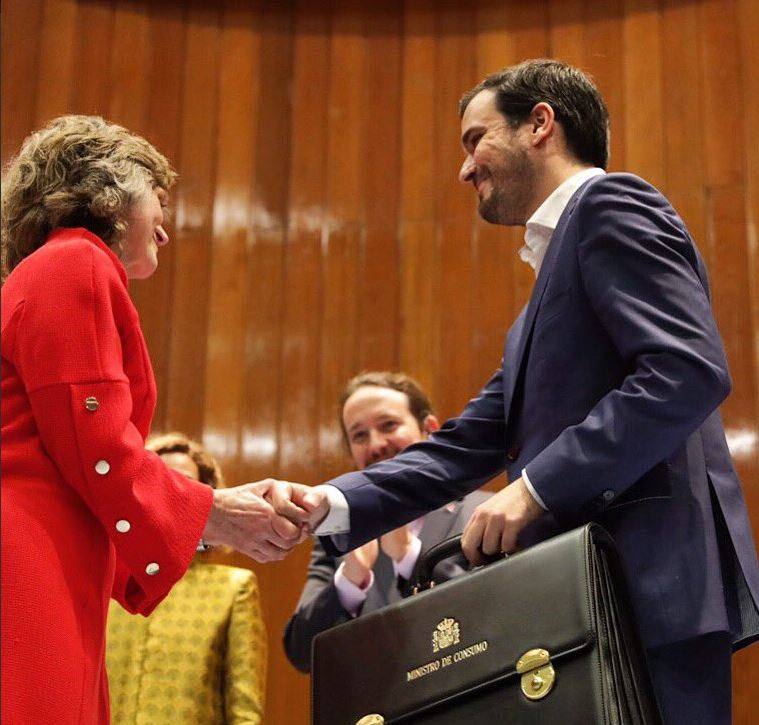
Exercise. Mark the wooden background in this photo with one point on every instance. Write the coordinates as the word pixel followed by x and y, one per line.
pixel 320 228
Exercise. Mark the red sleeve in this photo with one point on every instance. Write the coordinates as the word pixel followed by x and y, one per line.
pixel 77 317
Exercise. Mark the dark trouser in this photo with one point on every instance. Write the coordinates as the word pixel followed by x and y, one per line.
pixel 693 680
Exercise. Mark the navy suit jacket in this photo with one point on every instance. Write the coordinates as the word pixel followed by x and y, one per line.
pixel 608 393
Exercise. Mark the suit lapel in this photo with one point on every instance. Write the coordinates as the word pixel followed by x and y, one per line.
pixel 518 338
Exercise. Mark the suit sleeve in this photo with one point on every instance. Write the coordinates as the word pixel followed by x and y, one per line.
pixel 640 272
pixel 464 454
pixel 68 351
pixel 245 668
pixel 318 609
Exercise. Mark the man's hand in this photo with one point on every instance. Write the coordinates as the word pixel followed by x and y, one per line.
pixel 302 505
pixel 396 544
pixel 359 564
pixel 242 519
pixel 496 523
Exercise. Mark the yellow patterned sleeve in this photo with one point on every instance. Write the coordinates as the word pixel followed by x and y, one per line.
pixel 245 675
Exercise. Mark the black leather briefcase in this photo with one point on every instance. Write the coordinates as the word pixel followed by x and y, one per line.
pixel 544 636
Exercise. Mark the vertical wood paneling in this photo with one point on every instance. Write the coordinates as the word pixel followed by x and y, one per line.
pixel 455 69
pixel 604 37
pixel 320 228
pixel 130 67
pixel 21 53
pixel 379 308
pixel 194 203
pixel 684 164
pixel 299 426
pixel 268 214
pixel 162 126
pixel 93 41
pixel 341 240
pixel 726 210
pixel 419 291
pixel 239 48
pixel 567 31
pixel 644 106
pixel 55 66
pixel 267 380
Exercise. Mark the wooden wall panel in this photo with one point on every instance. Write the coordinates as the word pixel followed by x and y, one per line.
pixel 55 65
pixel 196 158
pixel 319 226
pixel 20 64
pixel 419 257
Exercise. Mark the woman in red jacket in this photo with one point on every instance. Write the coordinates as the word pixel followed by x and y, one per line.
pixel 87 512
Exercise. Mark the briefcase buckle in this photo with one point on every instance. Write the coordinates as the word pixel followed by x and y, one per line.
pixel 372 719
pixel 537 673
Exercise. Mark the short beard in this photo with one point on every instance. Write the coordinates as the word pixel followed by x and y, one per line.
pixel 494 209
pixel 511 193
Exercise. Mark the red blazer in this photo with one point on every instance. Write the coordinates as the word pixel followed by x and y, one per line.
pixel 87 513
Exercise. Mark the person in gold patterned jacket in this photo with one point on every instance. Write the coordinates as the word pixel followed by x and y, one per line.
pixel 200 657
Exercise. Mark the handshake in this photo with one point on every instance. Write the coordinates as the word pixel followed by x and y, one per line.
pixel 266 519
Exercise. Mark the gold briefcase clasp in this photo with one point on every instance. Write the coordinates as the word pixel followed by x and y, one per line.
pixel 537 673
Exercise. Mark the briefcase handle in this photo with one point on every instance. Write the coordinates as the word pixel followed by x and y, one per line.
pixel 440 552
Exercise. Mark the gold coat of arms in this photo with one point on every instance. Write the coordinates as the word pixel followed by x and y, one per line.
pixel 445 634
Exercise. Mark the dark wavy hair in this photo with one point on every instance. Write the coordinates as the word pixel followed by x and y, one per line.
pixel 575 100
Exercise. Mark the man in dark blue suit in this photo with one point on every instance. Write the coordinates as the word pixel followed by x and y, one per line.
pixel 381 414
pixel 605 406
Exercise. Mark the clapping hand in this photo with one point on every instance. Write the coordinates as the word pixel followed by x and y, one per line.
pixel 360 562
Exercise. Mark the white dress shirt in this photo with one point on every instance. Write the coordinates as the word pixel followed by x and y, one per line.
pixel 539 229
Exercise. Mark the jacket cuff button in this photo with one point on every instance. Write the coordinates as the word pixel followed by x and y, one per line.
pixel 122 526
pixel 102 467
pixel 152 569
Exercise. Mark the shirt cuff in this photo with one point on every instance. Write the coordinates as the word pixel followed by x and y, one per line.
pixel 532 490
pixel 337 520
pixel 405 567
pixel 350 595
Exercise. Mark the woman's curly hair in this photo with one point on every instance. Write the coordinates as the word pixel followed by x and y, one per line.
pixel 209 471
pixel 78 171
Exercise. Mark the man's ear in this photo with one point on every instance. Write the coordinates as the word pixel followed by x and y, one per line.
pixel 430 425
pixel 542 123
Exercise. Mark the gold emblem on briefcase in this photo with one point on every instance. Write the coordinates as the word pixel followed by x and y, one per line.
pixel 445 635
pixel 537 673
pixel 372 719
